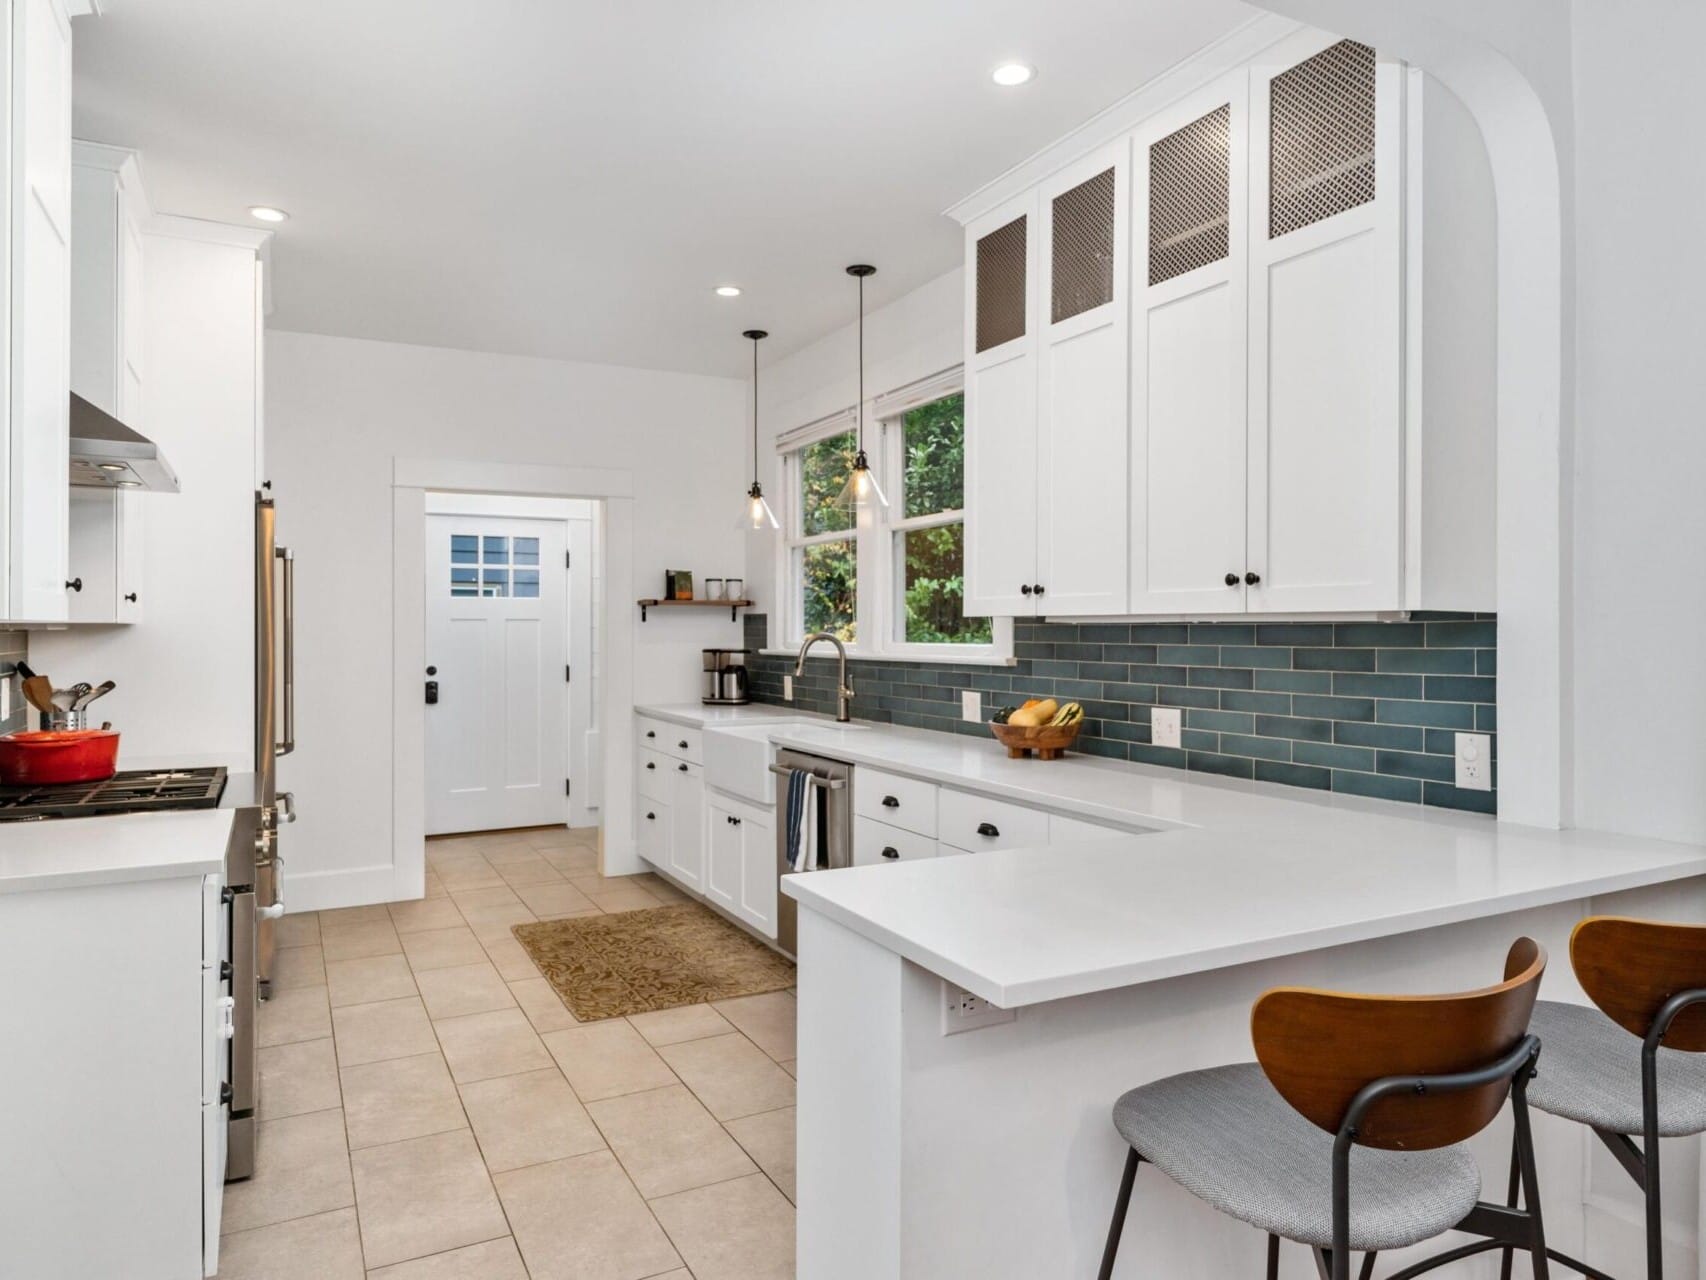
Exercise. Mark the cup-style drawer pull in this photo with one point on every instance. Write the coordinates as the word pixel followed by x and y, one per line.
pixel 889 802
pixel 682 767
pixel 682 744
pixel 651 817
pixel 891 852
pixel 987 829
pixel 651 733
pixel 651 764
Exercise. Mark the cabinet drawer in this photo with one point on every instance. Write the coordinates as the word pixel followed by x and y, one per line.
pixel 655 832
pixel 1072 830
pixel 978 823
pixel 653 775
pixel 894 800
pixel 672 739
pixel 875 842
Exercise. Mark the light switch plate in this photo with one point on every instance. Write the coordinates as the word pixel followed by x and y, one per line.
pixel 1474 762
pixel 1164 726
pixel 971 705
pixel 787 688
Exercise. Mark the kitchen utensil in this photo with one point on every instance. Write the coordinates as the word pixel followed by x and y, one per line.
pixel 99 691
pixel 62 699
pixel 78 692
pixel 58 756
pixel 38 692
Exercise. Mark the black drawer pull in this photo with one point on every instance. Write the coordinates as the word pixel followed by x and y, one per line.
pixel 889 802
pixel 682 744
pixel 682 767
pixel 891 852
pixel 651 764
pixel 987 829
pixel 651 817
pixel 651 733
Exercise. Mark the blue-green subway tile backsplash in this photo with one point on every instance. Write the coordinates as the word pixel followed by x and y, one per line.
pixel 1366 708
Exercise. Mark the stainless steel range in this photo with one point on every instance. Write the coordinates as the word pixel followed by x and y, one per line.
pixel 127 791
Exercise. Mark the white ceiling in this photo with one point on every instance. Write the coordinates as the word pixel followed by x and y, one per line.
pixel 570 178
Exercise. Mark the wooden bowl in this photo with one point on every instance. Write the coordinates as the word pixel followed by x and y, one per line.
pixel 1049 741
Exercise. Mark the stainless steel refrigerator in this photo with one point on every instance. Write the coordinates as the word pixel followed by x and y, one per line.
pixel 254 867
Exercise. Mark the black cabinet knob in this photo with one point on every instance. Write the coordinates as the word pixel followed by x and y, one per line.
pixel 889 802
pixel 891 852
pixel 131 596
pixel 1231 579
pixel 650 764
pixel 682 767
pixel 1038 589
pixel 987 829
pixel 76 584
pixel 736 821
pixel 651 733
pixel 651 817
pixel 432 671
pixel 1025 589
pixel 1252 578
pixel 682 744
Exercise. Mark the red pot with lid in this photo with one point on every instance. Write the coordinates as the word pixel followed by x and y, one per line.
pixel 58 756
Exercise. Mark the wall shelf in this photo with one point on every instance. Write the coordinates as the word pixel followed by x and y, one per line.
pixel 733 606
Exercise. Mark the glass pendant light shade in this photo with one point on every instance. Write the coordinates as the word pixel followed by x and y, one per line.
pixel 755 512
pixel 862 492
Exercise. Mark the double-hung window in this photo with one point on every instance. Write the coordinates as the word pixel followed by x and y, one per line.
pixel 887 582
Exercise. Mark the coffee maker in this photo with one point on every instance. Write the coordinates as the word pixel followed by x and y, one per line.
pixel 725 679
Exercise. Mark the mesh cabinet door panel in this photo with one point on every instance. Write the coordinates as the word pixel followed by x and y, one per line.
pixel 1001 285
pixel 1321 137
pixel 1082 275
pixel 1190 183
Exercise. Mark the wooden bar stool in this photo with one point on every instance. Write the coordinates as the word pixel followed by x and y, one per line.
pixel 1635 1066
pixel 1347 1133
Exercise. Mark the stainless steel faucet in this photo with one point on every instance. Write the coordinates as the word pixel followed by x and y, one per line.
pixel 843 691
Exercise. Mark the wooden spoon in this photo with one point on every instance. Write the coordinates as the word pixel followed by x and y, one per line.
pixel 38 692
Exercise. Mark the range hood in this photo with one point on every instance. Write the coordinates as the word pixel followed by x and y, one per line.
pixel 106 454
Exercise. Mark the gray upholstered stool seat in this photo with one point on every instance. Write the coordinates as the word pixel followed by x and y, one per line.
pixel 1590 1072
pixel 1226 1136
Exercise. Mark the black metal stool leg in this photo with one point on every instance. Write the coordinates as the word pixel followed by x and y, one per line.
pixel 1121 1204
pixel 1530 1178
pixel 1511 1200
pixel 1273 1256
pixel 1650 1155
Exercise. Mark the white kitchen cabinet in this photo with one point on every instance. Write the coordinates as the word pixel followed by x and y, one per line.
pixel 723 864
pixel 1188 362
pixel 740 871
pixel 36 278
pixel 107 369
pixel 655 831
pixel 687 824
pixel 1081 420
pixel 1001 412
pixel 875 843
pixel 1284 427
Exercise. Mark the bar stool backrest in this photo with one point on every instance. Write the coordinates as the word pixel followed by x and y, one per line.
pixel 1629 968
pixel 1319 1048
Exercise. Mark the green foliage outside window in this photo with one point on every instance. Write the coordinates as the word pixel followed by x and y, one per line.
pixel 934 437
pixel 829 575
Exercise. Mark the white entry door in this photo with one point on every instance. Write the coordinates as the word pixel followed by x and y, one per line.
pixel 497 634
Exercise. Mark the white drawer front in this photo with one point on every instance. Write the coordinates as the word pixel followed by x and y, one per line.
pixel 1072 830
pixel 653 773
pixel 875 842
pixel 978 823
pixel 652 734
pixel 672 739
pixel 897 801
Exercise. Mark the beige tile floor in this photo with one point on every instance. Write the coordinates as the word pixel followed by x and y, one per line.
pixel 431 1111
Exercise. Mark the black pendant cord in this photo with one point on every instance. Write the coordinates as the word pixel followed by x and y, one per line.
pixel 755 335
pixel 861 364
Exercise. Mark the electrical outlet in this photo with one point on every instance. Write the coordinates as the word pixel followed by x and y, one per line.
pixel 971 705
pixel 1164 726
pixel 1475 762
pixel 962 1011
pixel 787 688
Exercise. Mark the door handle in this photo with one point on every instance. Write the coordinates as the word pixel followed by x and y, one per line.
pixel 289 613
pixel 988 829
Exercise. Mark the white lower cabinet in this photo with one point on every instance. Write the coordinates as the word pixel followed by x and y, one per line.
pixel 877 842
pixel 655 831
pixel 687 824
pixel 740 869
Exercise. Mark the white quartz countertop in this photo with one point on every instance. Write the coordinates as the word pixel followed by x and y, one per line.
pixel 754 713
pixel 63 853
pixel 1231 872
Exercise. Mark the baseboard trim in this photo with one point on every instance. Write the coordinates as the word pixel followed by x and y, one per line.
pixel 347 887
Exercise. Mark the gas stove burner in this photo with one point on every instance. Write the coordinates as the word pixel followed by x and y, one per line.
pixel 128 791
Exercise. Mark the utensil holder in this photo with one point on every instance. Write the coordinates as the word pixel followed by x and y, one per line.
pixel 61 721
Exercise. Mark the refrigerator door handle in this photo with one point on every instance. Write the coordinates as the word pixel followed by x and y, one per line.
pixel 288 745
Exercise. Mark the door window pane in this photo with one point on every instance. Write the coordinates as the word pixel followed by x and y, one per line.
pixel 527 584
pixel 464 548
pixel 933 438
pixel 824 468
pixel 496 550
pixel 829 587
pixel 494 582
pixel 933 578
pixel 527 551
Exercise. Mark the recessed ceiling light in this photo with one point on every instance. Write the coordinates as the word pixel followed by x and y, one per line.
pixel 266 213
pixel 1009 74
pixel 728 291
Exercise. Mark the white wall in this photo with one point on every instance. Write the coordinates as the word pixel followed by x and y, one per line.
pixel 916 335
pixel 185 673
pixel 340 410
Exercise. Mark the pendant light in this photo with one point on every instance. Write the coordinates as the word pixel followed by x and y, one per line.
pixel 755 511
pixel 862 490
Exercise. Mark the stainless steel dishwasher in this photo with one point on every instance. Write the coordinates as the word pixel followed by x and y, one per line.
pixel 830 795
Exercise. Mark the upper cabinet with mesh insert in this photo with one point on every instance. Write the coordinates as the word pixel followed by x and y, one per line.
pixel 1252 370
